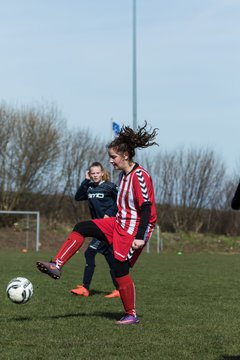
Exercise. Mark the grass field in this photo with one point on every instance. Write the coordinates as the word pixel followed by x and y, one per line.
pixel 188 305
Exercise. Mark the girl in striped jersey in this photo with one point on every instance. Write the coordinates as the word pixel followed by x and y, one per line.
pixel 133 225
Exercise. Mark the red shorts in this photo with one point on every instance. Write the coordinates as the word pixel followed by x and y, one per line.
pixel 119 239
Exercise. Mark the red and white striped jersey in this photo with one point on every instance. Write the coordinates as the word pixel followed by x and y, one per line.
pixel 135 189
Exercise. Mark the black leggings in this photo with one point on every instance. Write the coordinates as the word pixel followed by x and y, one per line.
pixel 90 255
pixel 90 229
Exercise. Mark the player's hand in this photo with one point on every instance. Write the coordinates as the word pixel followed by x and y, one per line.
pixel 87 176
pixel 106 216
pixel 137 244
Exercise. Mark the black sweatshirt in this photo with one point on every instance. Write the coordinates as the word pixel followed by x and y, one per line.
pixel 101 197
pixel 235 204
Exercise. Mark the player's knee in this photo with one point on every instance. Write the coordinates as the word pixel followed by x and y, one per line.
pixel 89 229
pixel 90 252
pixel 121 268
pixel 82 226
pixel 90 264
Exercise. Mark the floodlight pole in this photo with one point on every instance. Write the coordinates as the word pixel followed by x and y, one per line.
pixel 134 79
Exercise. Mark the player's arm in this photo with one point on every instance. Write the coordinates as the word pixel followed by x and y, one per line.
pixel 114 192
pixel 235 204
pixel 112 210
pixel 141 187
pixel 145 214
pixel 81 193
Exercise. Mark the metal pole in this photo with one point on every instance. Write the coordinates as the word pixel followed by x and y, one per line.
pixel 159 240
pixel 38 231
pixel 111 139
pixel 134 68
pixel 27 233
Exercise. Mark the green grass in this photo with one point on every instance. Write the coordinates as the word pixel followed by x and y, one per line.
pixel 188 306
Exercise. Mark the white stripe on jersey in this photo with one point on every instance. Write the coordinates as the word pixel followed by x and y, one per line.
pixel 127 216
pixel 133 211
pixel 121 217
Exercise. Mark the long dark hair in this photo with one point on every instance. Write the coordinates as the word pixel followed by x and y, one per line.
pixel 128 140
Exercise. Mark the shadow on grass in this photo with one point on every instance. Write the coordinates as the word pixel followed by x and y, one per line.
pixel 103 314
pixel 21 318
pixel 229 357
pixel 96 292
pixel 112 316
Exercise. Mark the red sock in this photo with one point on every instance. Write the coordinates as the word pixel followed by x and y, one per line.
pixel 73 242
pixel 127 291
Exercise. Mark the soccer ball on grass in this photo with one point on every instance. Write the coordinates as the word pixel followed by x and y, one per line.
pixel 19 290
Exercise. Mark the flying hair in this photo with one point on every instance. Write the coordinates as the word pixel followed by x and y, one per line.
pixel 128 140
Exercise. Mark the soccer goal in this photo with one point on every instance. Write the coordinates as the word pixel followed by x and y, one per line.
pixel 28 220
pixel 159 241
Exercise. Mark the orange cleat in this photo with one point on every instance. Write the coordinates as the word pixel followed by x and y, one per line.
pixel 113 294
pixel 81 290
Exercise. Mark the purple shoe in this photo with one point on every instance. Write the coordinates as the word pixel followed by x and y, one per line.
pixel 128 320
pixel 49 268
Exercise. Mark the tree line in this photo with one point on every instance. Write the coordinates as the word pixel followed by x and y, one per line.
pixel 42 163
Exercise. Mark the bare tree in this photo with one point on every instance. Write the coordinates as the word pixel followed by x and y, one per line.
pixel 31 150
pixel 186 183
pixel 79 150
pixel 39 155
pixel 7 123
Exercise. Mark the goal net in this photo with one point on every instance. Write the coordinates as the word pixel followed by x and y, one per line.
pixel 20 229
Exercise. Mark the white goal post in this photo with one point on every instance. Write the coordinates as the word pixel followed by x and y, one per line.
pixel 159 241
pixel 37 213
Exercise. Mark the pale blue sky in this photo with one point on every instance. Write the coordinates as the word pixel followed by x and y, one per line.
pixel 78 55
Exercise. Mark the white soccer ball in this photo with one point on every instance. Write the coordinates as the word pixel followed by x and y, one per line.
pixel 19 290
